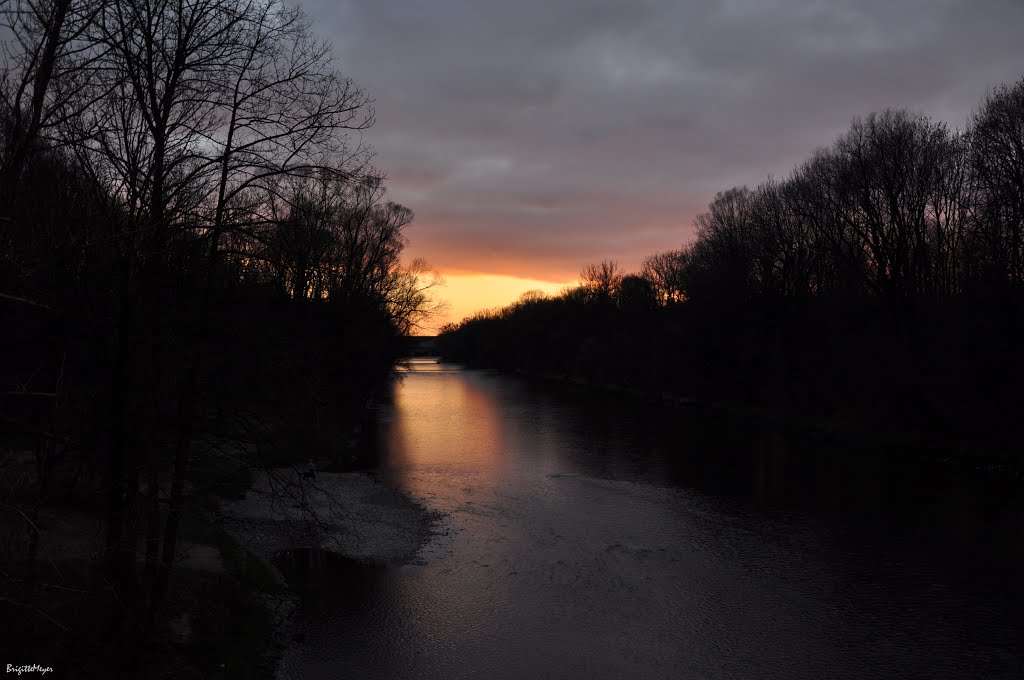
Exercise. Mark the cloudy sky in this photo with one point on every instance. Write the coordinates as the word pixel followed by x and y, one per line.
pixel 532 137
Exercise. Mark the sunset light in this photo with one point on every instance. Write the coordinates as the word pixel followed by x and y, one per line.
pixel 585 340
pixel 469 293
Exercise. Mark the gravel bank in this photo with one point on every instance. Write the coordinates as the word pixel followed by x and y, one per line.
pixel 352 514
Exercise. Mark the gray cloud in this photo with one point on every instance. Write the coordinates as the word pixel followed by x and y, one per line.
pixel 533 136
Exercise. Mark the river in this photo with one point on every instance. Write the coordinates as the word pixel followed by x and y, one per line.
pixel 589 536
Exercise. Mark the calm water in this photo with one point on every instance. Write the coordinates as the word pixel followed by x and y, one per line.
pixel 591 537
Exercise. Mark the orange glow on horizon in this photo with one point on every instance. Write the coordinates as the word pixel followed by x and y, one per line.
pixel 470 292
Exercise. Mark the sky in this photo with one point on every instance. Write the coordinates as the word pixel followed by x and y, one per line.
pixel 534 137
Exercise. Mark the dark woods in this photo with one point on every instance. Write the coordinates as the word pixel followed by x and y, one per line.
pixel 878 287
pixel 191 237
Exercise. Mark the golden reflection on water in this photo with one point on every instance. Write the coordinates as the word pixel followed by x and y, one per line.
pixel 451 444
pixel 454 421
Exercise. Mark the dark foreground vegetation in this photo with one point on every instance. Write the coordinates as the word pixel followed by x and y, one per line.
pixel 192 246
pixel 877 288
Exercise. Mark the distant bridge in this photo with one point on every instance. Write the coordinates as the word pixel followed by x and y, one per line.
pixel 421 346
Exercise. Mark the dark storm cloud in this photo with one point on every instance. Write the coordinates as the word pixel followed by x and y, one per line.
pixel 559 132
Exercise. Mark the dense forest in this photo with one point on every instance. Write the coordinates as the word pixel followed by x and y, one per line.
pixel 878 288
pixel 193 244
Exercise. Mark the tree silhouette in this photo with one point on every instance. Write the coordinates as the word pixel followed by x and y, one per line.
pixel 855 289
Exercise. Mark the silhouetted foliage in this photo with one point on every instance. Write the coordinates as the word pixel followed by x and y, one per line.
pixel 879 284
pixel 190 236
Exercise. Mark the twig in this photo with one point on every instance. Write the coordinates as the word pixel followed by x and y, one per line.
pixel 24 516
pixel 26 301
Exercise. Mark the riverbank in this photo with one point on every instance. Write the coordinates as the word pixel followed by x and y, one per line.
pixel 233 608
pixel 353 514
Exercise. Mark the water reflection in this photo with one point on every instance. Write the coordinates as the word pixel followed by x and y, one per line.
pixel 440 420
pixel 595 537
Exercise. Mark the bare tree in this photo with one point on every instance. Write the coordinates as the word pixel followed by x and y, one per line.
pixel 666 272
pixel 47 74
pixel 723 256
pixel 889 166
pixel 181 110
pixel 996 140
pixel 601 281
pixel 408 296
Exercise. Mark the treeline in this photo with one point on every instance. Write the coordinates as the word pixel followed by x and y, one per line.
pixel 880 284
pixel 191 237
